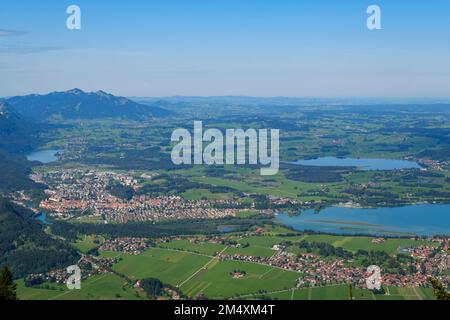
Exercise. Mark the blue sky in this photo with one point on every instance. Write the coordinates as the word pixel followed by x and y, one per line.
pixel 314 48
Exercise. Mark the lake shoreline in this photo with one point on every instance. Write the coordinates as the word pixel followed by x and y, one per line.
pixel 420 220
pixel 44 156
pixel 365 164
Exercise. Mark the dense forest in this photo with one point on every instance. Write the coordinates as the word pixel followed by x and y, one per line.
pixel 25 247
pixel 17 136
pixel 150 229
pixel 14 172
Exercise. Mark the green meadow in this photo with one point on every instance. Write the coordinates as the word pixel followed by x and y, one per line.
pixel 353 243
pixel 341 292
pixel 253 251
pixel 86 243
pixel 170 266
pixel 100 287
pixel 216 280
pixel 195 269
pixel 199 247
pixel 204 194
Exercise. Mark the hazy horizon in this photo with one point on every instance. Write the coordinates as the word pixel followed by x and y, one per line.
pixel 331 99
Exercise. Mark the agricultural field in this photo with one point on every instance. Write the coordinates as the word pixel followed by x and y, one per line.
pixel 100 287
pixel 112 287
pixel 168 265
pixel 204 194
pixel 247 180
pixel 251 250
pixel 216 280
pixel 351 243
pixel 194 268
pixel 341 292
pixel 206 248
pixel 355 243
pixel 86 243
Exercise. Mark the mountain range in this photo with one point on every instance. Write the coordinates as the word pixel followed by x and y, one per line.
pixel 76 104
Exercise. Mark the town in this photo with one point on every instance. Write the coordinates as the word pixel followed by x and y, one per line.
pixel 77 193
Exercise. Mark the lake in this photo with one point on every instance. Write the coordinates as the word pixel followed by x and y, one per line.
pixel 365 164
pixel 43 156
pixel 43 218
pixel 226 228
pixel 424 220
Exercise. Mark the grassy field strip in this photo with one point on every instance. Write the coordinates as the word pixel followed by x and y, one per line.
pixel 266 273
pixel 213 258
pixel 341 243
pixel 308 293
pixel 191 252
pixel 274 267
pixel 202 268
pixel 217 182
pixel 417 294
pixel 70 291
pixel 200 287
pixel 292 194
pixel 274 254
pixel 293 289
pixel 272 292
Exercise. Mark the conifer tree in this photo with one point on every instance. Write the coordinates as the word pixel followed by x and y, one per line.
pixel 438 290
pixel 7 285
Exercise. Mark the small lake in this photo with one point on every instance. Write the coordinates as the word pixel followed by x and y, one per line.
pixel 365 164
pixel 43 218
pixel 424 220
pixel 43 156
pixel 226 228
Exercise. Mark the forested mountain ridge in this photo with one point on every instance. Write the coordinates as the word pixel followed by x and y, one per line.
pixel 17 136
pixel 16 133
pixel 76 104
pixel 25 247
